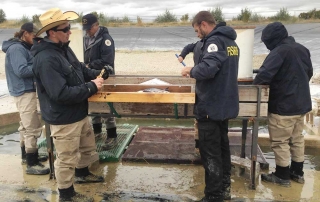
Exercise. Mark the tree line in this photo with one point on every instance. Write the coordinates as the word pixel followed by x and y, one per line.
pixel 246 15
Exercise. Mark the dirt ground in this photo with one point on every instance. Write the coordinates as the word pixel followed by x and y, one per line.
pixel 146 63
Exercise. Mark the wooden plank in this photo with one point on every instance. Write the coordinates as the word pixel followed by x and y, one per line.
pixel 249 93
pixel 140 87
pixel 250 109
pixel 143 97
pixel 144 109
pixel 137 79
pixel 246 93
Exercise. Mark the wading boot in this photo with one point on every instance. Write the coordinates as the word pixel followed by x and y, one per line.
pixel 280 177
pixel 34 167
pixel 41 158
pixel 296 173
pixel 69 195
pixel 83 175
pixel 97 130
pixel 111 140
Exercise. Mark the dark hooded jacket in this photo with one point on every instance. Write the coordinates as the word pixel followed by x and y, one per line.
pixel 18 66
pixel 288 70
pixel 195 48
pixel 101 52
pixel 216 75
pixel 63 83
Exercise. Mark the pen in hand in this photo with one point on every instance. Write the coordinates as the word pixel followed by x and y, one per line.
pixel 182 61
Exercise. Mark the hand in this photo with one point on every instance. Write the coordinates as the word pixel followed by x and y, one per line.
pixel 98 82
pixel 180 59
pixel 107 71
pixel 185 71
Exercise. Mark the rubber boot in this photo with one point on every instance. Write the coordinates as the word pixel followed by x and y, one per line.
pixel 70 195
pixel 112 133
pixel 23 155
pixel 111 140
pixel 34 167
pixel 97 128
pixel 280 177
pixel 41 158
pixel 296 172
pixel 83 175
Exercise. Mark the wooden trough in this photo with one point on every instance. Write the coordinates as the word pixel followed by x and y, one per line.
pixel 120 97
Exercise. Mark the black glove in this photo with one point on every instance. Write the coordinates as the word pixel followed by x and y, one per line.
pixel 109 69
pixel 105 75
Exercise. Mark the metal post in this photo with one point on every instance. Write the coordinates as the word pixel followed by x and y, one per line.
pixel 50 151
pixel 244 138
pixel 254 145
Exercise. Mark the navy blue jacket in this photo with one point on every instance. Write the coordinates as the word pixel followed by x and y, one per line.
pixel 195 48
pixel 18 65
pixel 64 84
pixel 287 69
pixel 101 52
pixel 216 75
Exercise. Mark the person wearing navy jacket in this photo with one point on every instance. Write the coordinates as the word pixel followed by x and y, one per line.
pixel 288 70
pixel 99 51
pixel 217 100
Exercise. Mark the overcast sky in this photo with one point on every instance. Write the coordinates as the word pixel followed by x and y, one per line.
pixel 149 9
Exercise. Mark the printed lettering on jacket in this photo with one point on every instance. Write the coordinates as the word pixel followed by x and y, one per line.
pixel 233 51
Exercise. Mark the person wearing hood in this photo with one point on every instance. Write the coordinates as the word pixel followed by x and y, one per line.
pixel 288 70
pixel 99 51
pixel 64 85
pixel 217 101
pixel 21 85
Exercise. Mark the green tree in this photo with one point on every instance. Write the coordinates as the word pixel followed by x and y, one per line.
pixel 166 17
pixel 282 15
pixel 2 16
pixel 185 17
pixel 24 19
pixel 256 17
pixel 35 19
pixel 125 19
pixel 217 14
pixel 245 15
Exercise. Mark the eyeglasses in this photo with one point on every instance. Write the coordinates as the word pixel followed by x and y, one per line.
pixel 64 30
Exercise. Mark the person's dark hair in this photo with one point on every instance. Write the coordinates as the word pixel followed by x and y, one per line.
pixel 53 28
pixel 203 16
pixel 26 27
pixel 19 34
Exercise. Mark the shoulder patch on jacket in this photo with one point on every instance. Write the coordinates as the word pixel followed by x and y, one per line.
pixel 212 48
pixel 107 42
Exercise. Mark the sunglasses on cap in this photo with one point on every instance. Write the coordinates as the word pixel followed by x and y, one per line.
pixel 64 30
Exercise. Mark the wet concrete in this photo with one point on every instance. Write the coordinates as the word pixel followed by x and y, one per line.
pixel 128 181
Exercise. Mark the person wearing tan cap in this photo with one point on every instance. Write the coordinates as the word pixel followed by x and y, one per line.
pixel 20 81
pixel 64 86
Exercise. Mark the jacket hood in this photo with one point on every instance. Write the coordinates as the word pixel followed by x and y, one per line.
pixel 40 44
pixel 10 42
pixel 273 34
pixel 222 29
pixel 102 31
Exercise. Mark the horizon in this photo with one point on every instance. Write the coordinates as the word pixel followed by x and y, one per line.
pixel 149 10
